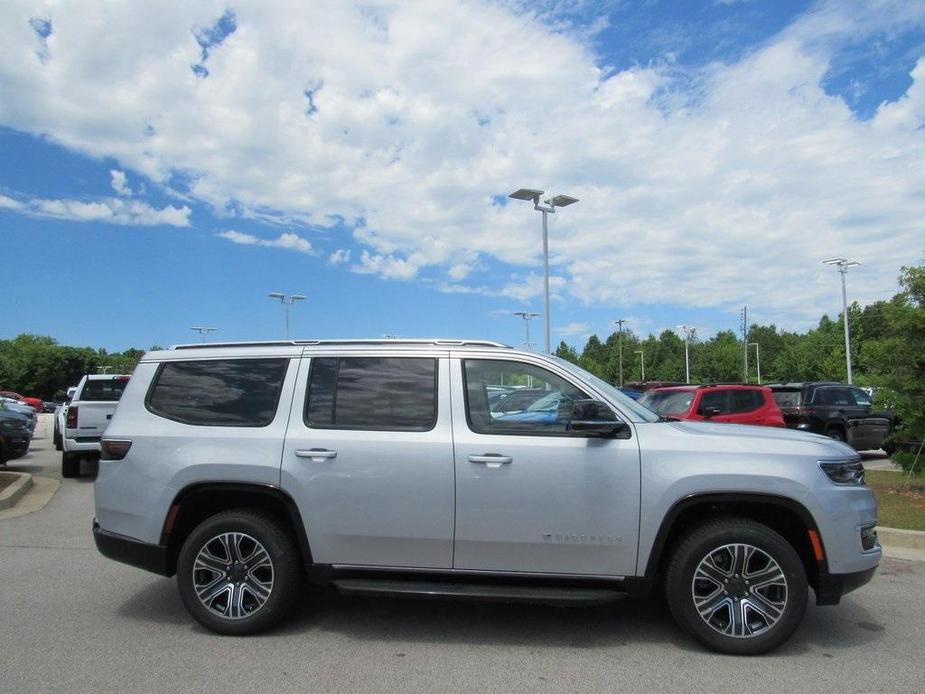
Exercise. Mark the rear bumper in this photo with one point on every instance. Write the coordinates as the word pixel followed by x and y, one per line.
pixel 831 587
pixel 82 444
pixel 123 549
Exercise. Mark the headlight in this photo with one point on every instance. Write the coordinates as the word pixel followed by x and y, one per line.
pixel 844 472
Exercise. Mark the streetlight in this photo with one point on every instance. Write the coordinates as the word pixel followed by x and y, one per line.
pixel 757 359
pixel 688 330
pixel 527 316
pixel 619 323
pixel 642 359
pixel 843 266
pixel 203 331
pixel 548 207
pixel 286 301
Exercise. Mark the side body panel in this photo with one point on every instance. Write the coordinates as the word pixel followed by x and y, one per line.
pixel 133 495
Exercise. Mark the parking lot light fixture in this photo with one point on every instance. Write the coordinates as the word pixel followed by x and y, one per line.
pixel 619 323
pixel 527 316
pixel 757 359
pixel 203 331
pixel 688 331
pixel 843 266
pixel 548 207
pixel 287 301
pixel 642 361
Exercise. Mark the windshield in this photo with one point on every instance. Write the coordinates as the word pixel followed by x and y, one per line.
pixel 626 403
pixel 668 401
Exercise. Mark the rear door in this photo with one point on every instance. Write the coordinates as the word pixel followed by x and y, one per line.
pixel 369 459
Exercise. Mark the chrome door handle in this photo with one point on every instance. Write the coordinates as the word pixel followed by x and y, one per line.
pixel 315 454
pixel 491 459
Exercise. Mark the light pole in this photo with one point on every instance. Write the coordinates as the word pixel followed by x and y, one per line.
pixel 619 323
pixel 843 266
pixel 757 359
pixel 286 301
pixel 687 359
pixel 642 360
pixel 203 331
pixel 548 207
pixel 527 316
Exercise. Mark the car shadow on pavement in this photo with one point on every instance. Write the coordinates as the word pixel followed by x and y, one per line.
pixel 422 620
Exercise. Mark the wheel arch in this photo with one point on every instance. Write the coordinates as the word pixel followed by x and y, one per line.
pixel 197 502
pixel 786 516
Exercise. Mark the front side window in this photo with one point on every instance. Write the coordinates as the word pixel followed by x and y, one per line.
pixel 861 398
pixel 538 401
pixel 372 393
pixel 218 392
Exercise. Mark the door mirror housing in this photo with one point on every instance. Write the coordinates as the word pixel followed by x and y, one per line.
pixel 596 418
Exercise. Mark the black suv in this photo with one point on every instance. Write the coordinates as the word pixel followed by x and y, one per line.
pixel 14 435
pixel 838 410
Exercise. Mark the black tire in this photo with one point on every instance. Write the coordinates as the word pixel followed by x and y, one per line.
pixel 70 464
pixel 285 572
pixel 836 433
pixel 710 540
pixel 57 440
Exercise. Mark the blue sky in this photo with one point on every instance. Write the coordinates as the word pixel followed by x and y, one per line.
pixel 177 167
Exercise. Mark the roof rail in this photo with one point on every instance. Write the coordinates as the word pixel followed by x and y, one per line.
pixel 310 343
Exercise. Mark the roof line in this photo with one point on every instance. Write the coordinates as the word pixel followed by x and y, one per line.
pixel 310 343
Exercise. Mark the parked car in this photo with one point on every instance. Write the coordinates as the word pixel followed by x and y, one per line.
pixel 22 408
pixel 643 386
pixel 517 400
pixel 60 419
pixel 50 406
pixel 31 401
pixel 15 434
pixel 837 410
pixel 736 404
pixel 631 393
pixel 88 414
pixel 379 468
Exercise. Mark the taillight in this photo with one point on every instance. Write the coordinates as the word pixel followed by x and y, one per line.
pixel 71 418
pixel 114 449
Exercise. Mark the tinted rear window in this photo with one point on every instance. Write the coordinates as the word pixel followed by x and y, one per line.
pixel 221 392
pixel 103 390
pixel 372 393
pixel 787 398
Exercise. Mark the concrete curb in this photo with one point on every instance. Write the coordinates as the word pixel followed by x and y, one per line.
pixel 21 484
pixel 895 537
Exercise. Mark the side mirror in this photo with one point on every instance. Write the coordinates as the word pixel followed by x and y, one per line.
pixel 596 418
pixel 709 411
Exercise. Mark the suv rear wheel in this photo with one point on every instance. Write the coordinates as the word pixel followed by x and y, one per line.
pixel 737 586
pixel 238 572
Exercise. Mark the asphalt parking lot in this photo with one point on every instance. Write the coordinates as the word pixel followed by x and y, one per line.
pixel 73 621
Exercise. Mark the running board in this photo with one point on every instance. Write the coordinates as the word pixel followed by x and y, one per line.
pixel 474 591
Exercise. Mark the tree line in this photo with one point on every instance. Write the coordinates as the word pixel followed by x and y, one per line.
pixel 887 344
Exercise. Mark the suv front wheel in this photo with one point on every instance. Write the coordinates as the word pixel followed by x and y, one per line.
pixel 737 586
pixel 238 572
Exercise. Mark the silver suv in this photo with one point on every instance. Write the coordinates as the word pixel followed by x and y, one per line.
pixel 392 467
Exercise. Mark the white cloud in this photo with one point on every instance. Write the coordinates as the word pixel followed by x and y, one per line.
pixel 119 183
pixel 339 257
pixel 573 329
pixel 108 210
pixel 287 241
pixel 723 188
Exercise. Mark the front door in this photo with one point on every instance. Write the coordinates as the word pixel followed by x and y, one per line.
pixel 532 496
pixel 369 459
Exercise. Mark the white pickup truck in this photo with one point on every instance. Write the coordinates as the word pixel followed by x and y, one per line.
pixel 88 414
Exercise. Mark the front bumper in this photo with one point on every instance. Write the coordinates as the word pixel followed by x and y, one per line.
pixel 127 550
pixel 831 587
